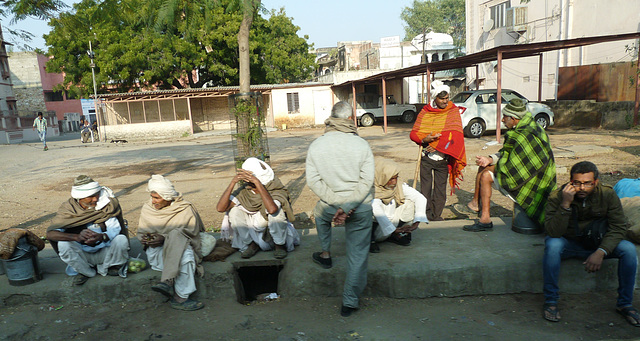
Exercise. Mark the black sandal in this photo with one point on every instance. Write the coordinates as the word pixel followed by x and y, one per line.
pixel 630 314
pixel 550 312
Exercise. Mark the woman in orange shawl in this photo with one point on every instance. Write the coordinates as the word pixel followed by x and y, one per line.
pixel 439 129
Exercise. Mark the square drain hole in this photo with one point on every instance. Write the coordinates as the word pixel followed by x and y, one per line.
pixel 253 279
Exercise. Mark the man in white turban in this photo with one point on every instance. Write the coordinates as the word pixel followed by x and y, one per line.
pixel 89 233
pixel 170 230
pixel 259 211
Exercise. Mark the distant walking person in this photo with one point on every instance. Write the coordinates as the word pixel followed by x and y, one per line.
pixel 40 123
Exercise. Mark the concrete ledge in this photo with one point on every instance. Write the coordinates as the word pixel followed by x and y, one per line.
pixel 442 260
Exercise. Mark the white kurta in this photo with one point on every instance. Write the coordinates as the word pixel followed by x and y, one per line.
pixel 389 216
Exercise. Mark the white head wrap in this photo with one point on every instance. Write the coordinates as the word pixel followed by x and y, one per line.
pixel 437 87
pixel 260 169
pixel 163 187
pixel 105 194
pixel 84 186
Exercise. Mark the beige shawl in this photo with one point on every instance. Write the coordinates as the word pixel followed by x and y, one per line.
pixel 180 225
pixel 385 170
pixel 345 125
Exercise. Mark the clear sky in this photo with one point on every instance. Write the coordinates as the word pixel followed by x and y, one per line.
pixel 325 22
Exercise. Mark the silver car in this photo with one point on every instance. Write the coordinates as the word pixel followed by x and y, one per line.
pixel 480 115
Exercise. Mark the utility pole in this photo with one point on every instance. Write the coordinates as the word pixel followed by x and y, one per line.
pixel 95 91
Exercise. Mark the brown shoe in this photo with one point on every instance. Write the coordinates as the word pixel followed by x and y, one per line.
pixel 280 252
pixel 80 279
pixel 251 251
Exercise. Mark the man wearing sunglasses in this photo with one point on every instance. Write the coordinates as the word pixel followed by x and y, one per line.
pixel 573 214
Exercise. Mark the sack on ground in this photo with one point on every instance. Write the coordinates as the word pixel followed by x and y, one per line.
pixel 222 250
pixel 631 208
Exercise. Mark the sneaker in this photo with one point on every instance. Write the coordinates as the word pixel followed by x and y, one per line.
pixel 323 262
pixel 374 247
pixel 403 239
pixel 46 148
pixel 80 279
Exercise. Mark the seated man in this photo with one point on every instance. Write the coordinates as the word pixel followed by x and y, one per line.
pixel 259 212
pixel 170 229
pixel 576 208
pixel 524 169
pixel 89 233
pixel 397 210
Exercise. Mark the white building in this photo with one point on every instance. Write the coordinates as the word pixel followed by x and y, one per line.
pixel 492 23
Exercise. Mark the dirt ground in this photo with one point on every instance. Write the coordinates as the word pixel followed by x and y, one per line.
pixel 33 184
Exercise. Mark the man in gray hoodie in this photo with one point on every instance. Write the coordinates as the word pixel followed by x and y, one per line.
pixel 340 171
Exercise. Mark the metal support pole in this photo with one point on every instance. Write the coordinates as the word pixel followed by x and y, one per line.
pixel 540 79
pixel 477 75
pixel 637 104
pixel 353 90
pixel 499 95
pixel 384 103
pixel 428 85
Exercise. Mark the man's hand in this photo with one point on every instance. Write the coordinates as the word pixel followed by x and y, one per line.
pixel 568 193
pixel 483 161
pixel 593 263
pixel 248 177
pixel 89 237
pixel 152 240
pixel 430 138
pixel 340 217
pixel 429 149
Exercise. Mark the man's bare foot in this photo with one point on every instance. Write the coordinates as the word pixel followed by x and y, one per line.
pixel 473 207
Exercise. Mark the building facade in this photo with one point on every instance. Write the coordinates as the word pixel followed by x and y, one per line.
pixel 493 23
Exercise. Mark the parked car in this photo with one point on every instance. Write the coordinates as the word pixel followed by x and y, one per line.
pixel 369 108
pixel 480 115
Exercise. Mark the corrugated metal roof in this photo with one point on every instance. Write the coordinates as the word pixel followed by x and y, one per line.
pixel 258 87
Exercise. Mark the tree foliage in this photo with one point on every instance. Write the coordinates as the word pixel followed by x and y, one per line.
pixel 21 9
pixel 147 44
pixel 444 16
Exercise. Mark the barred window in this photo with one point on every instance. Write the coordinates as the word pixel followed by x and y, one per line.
pixel 499 14
pixel 293 103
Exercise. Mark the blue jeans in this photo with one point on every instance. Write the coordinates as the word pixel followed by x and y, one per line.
pixel 43 137
pixel 556 249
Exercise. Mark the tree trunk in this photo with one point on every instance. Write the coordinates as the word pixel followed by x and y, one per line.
pixel 248 8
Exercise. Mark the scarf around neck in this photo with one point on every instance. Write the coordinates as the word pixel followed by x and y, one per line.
pixel 253 201
pixel 344 125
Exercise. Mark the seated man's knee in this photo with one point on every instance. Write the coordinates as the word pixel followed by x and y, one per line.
pixel 486 177
pixel 554 245
pixel 65 248
pixel 120 241
pixel 626 247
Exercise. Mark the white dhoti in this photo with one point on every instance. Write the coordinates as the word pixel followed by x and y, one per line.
pixel 84 262
pixel 389 216
pixel 185 283
pixel 251 226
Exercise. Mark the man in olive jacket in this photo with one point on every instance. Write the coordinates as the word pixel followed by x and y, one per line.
pixel 569 212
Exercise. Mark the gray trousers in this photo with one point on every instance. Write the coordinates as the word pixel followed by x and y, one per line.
pixel 358 237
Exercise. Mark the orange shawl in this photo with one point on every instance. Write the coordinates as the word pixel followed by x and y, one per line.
pixel 447 122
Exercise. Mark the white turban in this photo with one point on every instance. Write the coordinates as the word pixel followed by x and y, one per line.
pixel 83 187
pixel 437 87
pixel 260 169
pixel 163 187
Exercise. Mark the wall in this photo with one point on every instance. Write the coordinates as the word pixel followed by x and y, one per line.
pixel 315 105
pixel 210 113
pixel 606 115
pixel 147 131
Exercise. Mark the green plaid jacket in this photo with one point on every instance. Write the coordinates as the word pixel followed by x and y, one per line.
pixel 526 168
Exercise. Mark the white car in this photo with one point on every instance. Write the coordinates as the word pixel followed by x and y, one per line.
pixel 480 115
pixel 369 108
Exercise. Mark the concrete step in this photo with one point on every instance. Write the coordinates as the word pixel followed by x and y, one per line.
pixel 442 260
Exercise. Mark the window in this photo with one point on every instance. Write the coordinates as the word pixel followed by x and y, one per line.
pixel 53 96
pixel 293 103
pixel 499 14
